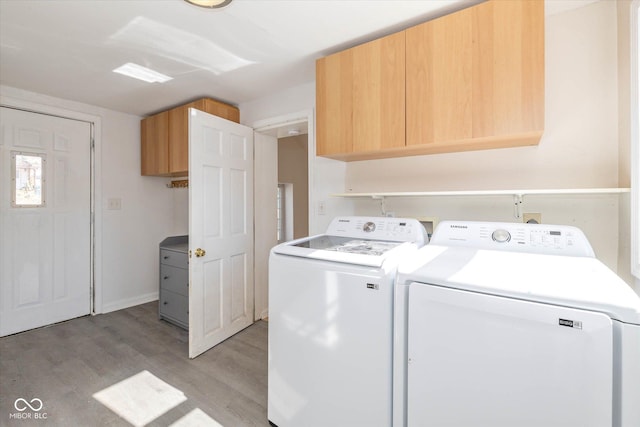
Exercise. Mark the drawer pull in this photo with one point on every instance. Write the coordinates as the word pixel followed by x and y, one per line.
pixel 165 257
pixel 165 303
pixel 166 277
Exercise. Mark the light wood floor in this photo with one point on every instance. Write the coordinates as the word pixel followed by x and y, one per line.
pixel 65 364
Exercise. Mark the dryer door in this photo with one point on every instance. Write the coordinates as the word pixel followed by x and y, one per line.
pixel 483 360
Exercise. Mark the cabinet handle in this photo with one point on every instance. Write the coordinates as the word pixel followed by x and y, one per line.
pixel 165 303
pixel 166 277
pixel 165 257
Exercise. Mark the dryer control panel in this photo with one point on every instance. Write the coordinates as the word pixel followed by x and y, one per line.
pixel 514 237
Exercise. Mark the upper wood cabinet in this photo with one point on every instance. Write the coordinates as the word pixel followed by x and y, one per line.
pixel 475 78
pixel 360 98
pixel 470 80
pixel 154 137
pixel 165 137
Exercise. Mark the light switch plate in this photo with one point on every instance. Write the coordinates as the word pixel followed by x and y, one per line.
pixel 114 204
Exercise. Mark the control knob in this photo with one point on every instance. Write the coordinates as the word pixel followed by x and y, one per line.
pixel 368 227
pixel 501 236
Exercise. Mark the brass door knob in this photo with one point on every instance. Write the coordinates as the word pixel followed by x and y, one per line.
pixel 200 252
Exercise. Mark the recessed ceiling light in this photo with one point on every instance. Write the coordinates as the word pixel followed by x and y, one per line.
pixel 142 73
pixel 212 4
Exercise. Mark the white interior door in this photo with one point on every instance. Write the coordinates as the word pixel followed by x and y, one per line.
pixel 221 282
pixel 45 229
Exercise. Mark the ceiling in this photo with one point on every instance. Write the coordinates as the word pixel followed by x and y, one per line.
pixel 248 50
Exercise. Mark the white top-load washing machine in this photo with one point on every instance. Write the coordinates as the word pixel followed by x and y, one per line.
pixel 331 322
pixel 502 324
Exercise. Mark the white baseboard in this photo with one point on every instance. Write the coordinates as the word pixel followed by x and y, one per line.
pixel 129 302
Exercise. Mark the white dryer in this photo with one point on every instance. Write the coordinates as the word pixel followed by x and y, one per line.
pixel 501 324
pixel 331 322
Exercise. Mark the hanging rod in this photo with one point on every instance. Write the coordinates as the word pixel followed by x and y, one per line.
pixel 378 195
pixel 179 183
pixel 517 195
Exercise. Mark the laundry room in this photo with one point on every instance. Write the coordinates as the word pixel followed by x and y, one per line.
pixel 521 115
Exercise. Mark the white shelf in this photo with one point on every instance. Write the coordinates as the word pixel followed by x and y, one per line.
pixel 516 194
pixel 378 195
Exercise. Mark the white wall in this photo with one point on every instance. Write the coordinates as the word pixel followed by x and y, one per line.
pixel 580 143
pixel 579 148
pixel 624 130
pixel 326 176
pixel 131 236
pixel 127 239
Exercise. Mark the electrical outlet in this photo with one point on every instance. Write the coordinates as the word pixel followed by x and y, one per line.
pixel 429 223
pixel 321 207
pixel 114 204
pixel 532 218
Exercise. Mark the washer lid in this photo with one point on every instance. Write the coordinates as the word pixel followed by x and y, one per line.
pixel 570 281
pixel 348 245
pixel 348 250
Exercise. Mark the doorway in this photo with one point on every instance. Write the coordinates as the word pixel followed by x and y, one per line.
pixel 268 133
pixel 293 187
pixel 46 246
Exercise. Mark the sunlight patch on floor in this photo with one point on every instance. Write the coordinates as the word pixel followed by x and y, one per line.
pixel 196 418
pixel 141 398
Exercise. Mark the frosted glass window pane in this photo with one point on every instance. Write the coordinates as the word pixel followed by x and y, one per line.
pixel 28 182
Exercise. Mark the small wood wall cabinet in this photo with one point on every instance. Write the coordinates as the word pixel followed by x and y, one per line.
pixel 472 80
pixel 165 137
pixel 361 98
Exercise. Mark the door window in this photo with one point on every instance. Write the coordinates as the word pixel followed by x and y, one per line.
pixel 27 189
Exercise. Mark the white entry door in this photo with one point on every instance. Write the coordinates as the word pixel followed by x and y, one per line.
pixel 45 228
pixel 220 230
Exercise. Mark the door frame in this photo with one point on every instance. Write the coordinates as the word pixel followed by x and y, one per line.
pixel 268 127
pixel 95 122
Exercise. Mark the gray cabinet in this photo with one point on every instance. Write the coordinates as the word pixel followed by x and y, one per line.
pixel 174 281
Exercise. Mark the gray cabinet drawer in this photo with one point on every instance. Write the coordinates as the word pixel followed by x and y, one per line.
pixel 174 279
pixel 174 308
pixel 176 259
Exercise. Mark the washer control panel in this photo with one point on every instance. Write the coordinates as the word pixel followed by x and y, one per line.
pixel 515 237
pixel 379 228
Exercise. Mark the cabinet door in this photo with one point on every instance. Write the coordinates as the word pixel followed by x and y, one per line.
pixel 219 109
pixel 179 139
pixel 510 61
pixel 379 94
pixel 360 98
pixel 476 76
pixel 334 103
pixel 439 79
pixel 155 144
pixel 179 133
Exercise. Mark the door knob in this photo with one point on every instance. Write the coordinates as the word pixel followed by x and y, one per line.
pixel 200 252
